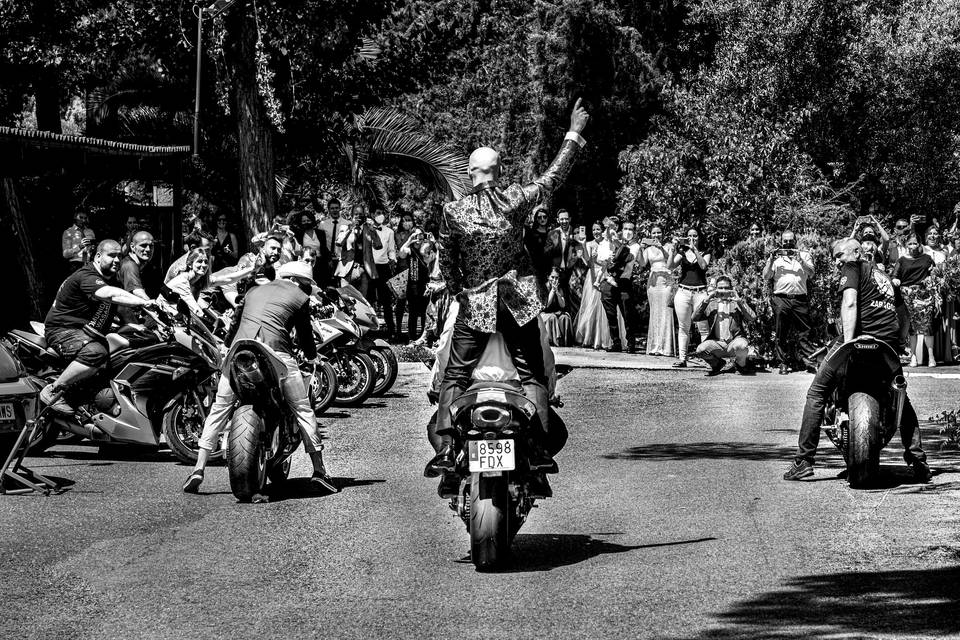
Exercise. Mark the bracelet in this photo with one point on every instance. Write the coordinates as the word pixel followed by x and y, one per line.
pixel 576 137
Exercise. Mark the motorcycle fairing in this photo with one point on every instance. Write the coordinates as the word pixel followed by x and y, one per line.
pixel 132 424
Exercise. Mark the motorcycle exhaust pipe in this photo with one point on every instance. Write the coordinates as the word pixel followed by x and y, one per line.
pixel 899 389
pixel 87 430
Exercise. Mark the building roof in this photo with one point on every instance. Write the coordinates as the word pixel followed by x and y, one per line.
pixel 30 152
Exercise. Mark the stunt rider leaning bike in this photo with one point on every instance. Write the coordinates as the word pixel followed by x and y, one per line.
pixel 866 308
pixel 270 313
pixel 481 234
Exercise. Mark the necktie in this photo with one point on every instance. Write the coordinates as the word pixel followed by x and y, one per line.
pixel 333 238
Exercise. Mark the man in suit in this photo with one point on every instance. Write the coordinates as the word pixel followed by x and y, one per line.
pixel 560 249
pixel 357 243
pixel 485 264
pixel 614 254
pixel 332 226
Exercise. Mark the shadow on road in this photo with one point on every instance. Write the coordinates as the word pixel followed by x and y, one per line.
pixel 916 603
pixel 104 454
pixel 302 488
pixel 545 551
pixel 705 450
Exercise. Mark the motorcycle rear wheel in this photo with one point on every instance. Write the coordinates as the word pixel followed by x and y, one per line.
pixel 356 374
pixel 385 361
pixel 489 521
pixel 863 449
pixel 246 454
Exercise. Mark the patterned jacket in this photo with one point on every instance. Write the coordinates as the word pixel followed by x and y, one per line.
pixel 483 257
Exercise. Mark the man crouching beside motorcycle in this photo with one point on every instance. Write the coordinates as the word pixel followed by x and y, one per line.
pixel 866 308
pixel 480 234
pixel 270 313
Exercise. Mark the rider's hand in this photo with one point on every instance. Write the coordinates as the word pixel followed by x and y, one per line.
pixel 578 117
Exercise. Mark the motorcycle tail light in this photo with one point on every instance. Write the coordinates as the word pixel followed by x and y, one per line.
pixel 490 417
pixel 246 371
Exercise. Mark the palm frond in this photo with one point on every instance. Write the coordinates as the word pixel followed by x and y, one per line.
pixel 368 50
pixel 282 182
pixel 390 138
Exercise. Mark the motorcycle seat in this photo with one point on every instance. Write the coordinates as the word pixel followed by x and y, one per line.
pixel 32 338
pixel 506 386
pixel 116 342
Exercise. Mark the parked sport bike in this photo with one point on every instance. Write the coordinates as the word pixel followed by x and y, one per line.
pixel 160 380
pixel 19 398
pixel 864 412
pixel 337 337
pixel 263 430
pixel 352 302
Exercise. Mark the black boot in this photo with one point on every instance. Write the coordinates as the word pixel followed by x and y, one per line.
pixel 449 485
pixel 538 486
pixel 541 460
pixel 445 460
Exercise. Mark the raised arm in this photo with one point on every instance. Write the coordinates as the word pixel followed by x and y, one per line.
pixel 559 169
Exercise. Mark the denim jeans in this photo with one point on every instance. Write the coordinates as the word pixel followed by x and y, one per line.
pixel 684 302
pixel 822 386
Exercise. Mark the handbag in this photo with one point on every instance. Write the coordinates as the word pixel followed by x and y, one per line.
pixel 398 284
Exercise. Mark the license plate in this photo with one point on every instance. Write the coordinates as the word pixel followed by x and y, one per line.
pixel 492 455
pixel 6 412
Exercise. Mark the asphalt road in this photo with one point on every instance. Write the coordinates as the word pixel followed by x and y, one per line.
pixel 669 520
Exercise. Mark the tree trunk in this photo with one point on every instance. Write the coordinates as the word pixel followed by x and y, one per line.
pixel 254 130
pixel 46 91
pixel 13 219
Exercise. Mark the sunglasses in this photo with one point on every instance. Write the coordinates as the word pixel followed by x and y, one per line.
pixel 902 226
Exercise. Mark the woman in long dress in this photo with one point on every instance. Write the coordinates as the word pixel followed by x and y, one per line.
pixel 578 274
pixel 910 273
pixel 944 336
pixel 592 330
pixel 660 332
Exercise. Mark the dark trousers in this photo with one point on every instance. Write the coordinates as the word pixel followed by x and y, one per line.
pixel 380 292
pixel 792 312
pixel 466 347
pixel 820 389
pixel 417 306
pixel 628 302
pixel 620 296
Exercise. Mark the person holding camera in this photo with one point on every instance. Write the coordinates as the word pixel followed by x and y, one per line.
pixel 726 315
pixel 691 289
pixel 78 242
pixel 790 270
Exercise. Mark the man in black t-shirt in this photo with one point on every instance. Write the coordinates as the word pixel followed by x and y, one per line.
pixel 80 316
pixel 867 307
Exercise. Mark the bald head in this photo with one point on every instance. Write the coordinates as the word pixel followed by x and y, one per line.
pixel 141 245
pixel 108 246
pixel 484 165
pixel 846 250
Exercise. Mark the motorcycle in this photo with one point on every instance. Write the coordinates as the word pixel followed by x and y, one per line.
pixel 493 423
pixel 19 399
pixel 263 431
pixel 384 359
pixel 337 336
pixel 864 411
pixel 157 381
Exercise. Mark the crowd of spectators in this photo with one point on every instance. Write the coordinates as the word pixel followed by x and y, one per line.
pixel 600 288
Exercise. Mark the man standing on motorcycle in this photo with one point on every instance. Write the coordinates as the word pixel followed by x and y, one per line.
pixel 480 234
pixel 866 308
pixel 81 315
pixel 270 313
